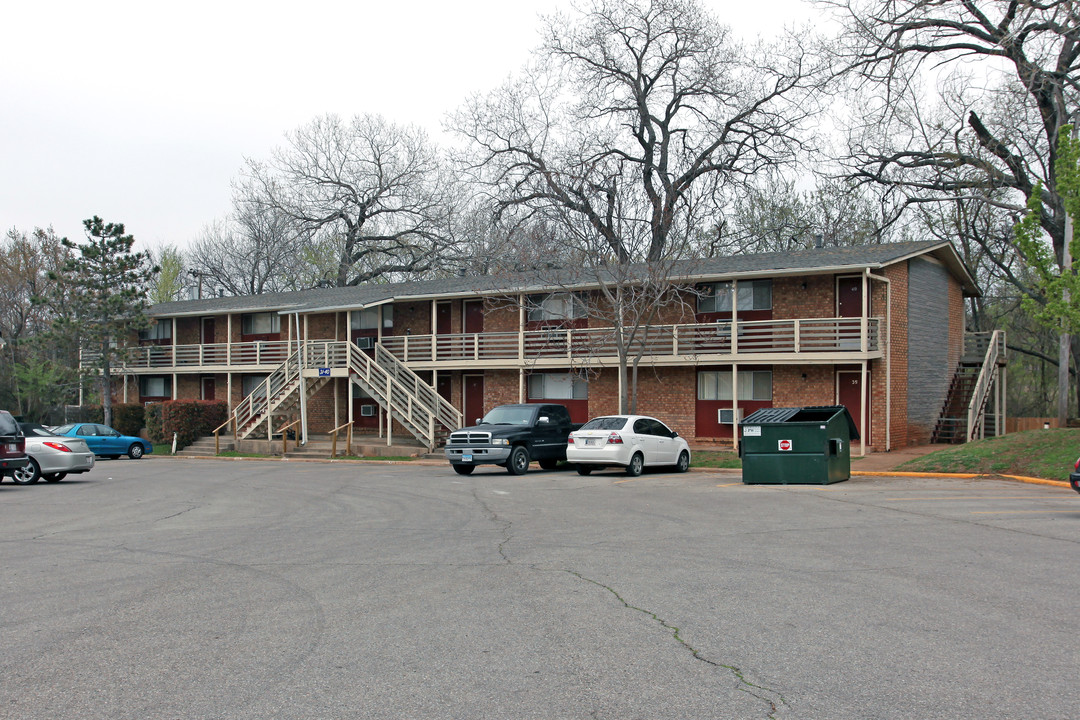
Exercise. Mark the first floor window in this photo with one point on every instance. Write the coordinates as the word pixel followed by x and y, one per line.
pixel 753 385
pixel 155 386
pixel 254 383
pixel 260 323
pixel 557 386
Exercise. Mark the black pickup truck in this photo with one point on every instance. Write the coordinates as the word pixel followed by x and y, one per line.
pixel 513 436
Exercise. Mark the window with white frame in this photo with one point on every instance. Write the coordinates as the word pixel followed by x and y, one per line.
pixel 753 385
pixel 160 330
pixel 254 384
pixel 556 306
pixel 155 386
pixel 369 318
pixel 752 295
pixel 557 386
pixel 260 323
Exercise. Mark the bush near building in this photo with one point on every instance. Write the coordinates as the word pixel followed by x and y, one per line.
pixel 189 419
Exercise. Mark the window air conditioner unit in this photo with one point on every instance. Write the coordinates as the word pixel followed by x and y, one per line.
pixel 365 343
pixel 729 416
pixel 367 411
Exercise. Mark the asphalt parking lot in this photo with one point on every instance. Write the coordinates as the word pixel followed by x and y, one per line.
pixel 171 588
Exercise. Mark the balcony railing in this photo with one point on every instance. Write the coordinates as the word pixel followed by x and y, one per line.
pixel 816 335
pixel 739 339
pixel 237 354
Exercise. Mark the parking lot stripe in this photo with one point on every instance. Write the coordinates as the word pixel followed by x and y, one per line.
pixel 1020 512
pixel 979 497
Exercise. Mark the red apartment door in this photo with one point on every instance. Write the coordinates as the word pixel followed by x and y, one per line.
pixel 442 386
pixel 849 296
pixel 474 398
pixel 850 394
pixel 207 331
pixel 474 316
pixel 208 388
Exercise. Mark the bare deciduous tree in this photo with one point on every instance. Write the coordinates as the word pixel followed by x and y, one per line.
pixel 375 192
pixel 639 119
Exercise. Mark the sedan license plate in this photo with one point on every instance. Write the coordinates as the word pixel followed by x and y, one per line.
pixel 466 458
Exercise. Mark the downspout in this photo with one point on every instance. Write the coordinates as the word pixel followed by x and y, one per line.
pixel 302 363
pixel 888 359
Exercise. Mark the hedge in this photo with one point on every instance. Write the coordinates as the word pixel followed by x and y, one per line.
pixel 189 419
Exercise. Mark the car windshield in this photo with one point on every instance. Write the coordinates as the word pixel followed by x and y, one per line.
pixel 509 416
pixel 605 423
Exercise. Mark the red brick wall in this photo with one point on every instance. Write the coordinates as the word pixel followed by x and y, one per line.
pixel 188 331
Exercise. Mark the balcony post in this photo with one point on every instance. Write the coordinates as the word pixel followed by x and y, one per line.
pixel 797 333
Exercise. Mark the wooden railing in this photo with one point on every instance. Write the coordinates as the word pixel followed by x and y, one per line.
pixel 256 407
pixel 988 375
pixel 226 355
pixel 445 413
pixel 811 335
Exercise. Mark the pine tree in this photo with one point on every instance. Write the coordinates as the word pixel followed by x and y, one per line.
pixel 106 301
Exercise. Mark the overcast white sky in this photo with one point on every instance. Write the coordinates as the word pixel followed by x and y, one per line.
pixel 142 112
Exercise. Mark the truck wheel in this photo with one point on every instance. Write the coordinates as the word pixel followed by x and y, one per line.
pixel 519 461
pixel 636 464
pixel 549 463
pixel 463 469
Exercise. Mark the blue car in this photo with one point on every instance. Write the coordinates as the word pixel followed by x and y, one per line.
pixel 106 442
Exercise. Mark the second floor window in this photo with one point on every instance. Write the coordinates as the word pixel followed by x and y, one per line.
pixel 260 323
pixel 368 318
pixel 160 330
pixel 752 295
pixel 556 306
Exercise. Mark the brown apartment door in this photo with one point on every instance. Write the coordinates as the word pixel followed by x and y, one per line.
pixel 850 394
pixel 474 398
pixel 208 388
pixel 474 316
pixel 849 296
pixel 207 331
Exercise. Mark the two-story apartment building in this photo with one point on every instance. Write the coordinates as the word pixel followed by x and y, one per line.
pixel 879 329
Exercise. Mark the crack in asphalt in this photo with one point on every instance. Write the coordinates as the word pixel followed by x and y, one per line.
pixel 767 695
pixel 507 526
pixel 770 697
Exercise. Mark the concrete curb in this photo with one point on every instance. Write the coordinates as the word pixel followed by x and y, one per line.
pixel 965 476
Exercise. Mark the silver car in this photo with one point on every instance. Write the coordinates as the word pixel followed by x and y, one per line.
pixel 52 457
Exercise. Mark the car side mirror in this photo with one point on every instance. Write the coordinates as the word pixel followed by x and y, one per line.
pixel 543 420
pixel 674 434
pixel 477 421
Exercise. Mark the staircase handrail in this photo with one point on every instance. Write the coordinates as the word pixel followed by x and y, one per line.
pixel 445 412
pixel 393 395
pixel 257 403
pixel 987 375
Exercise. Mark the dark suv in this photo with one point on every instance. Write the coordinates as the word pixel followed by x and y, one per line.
pixel 12 445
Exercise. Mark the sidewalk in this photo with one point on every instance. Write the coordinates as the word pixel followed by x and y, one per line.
pixel 883 461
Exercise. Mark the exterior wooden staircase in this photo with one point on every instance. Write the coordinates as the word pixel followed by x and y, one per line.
pixel 963 416
pixel 402 394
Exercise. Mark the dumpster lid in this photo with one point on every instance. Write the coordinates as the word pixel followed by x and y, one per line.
pixel 812 413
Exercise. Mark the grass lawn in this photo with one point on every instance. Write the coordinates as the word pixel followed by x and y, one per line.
pixel 1046 454
pixel 714 459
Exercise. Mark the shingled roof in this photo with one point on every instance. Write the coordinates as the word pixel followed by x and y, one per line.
pixel 797 262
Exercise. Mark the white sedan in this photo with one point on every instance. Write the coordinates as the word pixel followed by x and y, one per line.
pixel 630 441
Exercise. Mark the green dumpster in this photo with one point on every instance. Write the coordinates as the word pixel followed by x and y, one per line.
pixel 789 446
